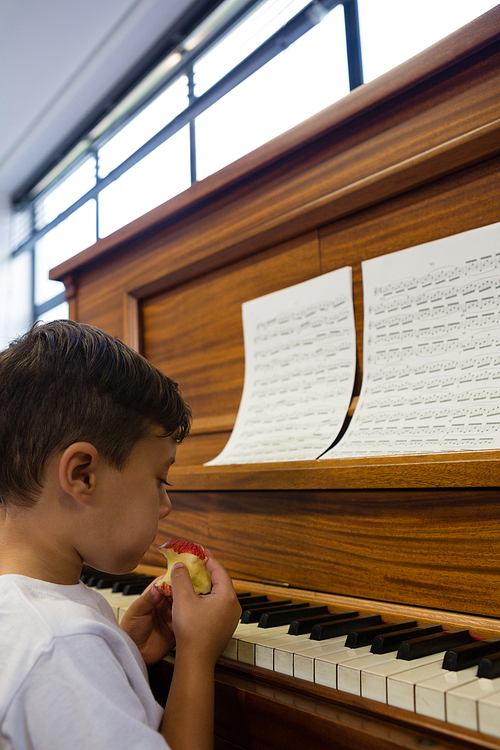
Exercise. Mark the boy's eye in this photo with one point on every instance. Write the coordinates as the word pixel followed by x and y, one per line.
pixel 164 481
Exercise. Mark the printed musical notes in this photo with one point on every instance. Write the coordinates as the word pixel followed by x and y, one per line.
pixel 300 360
pixel 431 359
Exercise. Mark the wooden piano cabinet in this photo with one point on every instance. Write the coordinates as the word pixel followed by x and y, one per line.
pixel 259 711
pixel 409 158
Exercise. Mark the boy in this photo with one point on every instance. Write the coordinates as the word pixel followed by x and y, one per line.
pixel 88 432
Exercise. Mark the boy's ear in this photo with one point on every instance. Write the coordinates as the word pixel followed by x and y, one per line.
pixel 77 470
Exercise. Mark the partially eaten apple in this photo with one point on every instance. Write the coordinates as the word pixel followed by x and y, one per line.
pixel 194 558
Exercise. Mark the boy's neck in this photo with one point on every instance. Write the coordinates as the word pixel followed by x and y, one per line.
pixel 26 549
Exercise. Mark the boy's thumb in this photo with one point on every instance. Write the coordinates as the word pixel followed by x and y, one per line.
pixel 180 578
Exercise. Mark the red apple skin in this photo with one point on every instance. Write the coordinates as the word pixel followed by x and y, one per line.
pixel 181 547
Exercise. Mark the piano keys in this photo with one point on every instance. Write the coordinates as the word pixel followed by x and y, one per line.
pixel 441 683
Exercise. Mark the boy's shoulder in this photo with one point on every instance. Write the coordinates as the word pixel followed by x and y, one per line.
pixel 62 645
pixel 49 610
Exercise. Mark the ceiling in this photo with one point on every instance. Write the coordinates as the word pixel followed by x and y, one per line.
pixel 58 59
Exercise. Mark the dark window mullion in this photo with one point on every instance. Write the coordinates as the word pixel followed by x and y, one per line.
pixel 353 43
pixel 192 127
pixel 49 304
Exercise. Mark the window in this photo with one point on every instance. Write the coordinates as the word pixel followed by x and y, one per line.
pixel 249 72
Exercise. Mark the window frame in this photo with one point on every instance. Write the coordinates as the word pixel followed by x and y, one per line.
pixel 276 43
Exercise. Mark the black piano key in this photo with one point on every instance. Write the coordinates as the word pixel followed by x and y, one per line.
pixel 384 644
pixel 254 611
pixel 470 654
pixel 274 619
pixel 91 580
pixel 108 583
pixel 119 586
pixel 136 588
pixel 489 667
pixel 244 595
pixel 365 636
pixel 305 624
pixel 249 600
pixel 333 629
pixel 432 644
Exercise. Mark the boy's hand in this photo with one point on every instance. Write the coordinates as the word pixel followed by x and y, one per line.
pixel 148 621
pixel 203 624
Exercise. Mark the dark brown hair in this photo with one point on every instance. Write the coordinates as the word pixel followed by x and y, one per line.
pixel 65 382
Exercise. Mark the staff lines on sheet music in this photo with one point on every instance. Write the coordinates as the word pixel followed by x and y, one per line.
pixel 479 365
pixel 474 266
pixel 471 322
pixel 436 384
pixel 491 413
pixel 304 329
pixel 378 446
pixel 306 314
pixel 485 295
pixel 431 348
pixel 304 349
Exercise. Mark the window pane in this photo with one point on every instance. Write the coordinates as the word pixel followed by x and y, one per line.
pixel 55 313
pixel 165 172
pixel 393 31
pixel 20 228
pixel 298 83
pixel 144 126
pixel 66 192
pixel 18 310
pixel 244 39
pixel 73 234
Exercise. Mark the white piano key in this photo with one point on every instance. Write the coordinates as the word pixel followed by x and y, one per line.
pixel 117 600
pixel 349 674
pixel 374 679
pixel 430 695
pixel 325 667
pixel 401 687
pixel 123 609
pixel 264 651
pixel 247 643
pixel 243 628
pixel 284 654
pixel 489 715
pixel 462 702
pixel 303 659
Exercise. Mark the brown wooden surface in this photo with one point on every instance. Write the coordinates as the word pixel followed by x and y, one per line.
pixel 410 158
pixel 431 548
pixel 259 710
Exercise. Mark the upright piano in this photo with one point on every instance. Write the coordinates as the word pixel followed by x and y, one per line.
pixel 411 157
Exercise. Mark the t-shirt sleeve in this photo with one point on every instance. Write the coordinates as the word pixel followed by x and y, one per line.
pixel 79 696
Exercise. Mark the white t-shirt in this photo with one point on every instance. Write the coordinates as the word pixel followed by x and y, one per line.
pixel 69 676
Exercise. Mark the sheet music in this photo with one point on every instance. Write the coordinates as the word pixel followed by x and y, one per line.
pixel 300 361
pixel 431 350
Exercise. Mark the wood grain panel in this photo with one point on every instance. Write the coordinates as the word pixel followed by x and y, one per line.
pixel 429 548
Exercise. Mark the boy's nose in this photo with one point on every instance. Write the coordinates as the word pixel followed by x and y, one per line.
pixel 165 507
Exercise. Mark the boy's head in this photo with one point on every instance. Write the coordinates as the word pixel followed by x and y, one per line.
pixel 65 382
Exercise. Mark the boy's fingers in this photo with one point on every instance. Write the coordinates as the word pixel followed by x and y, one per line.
pixel 180 580
pixel 147 601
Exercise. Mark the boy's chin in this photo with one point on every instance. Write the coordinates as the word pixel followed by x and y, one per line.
pixel 114 567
